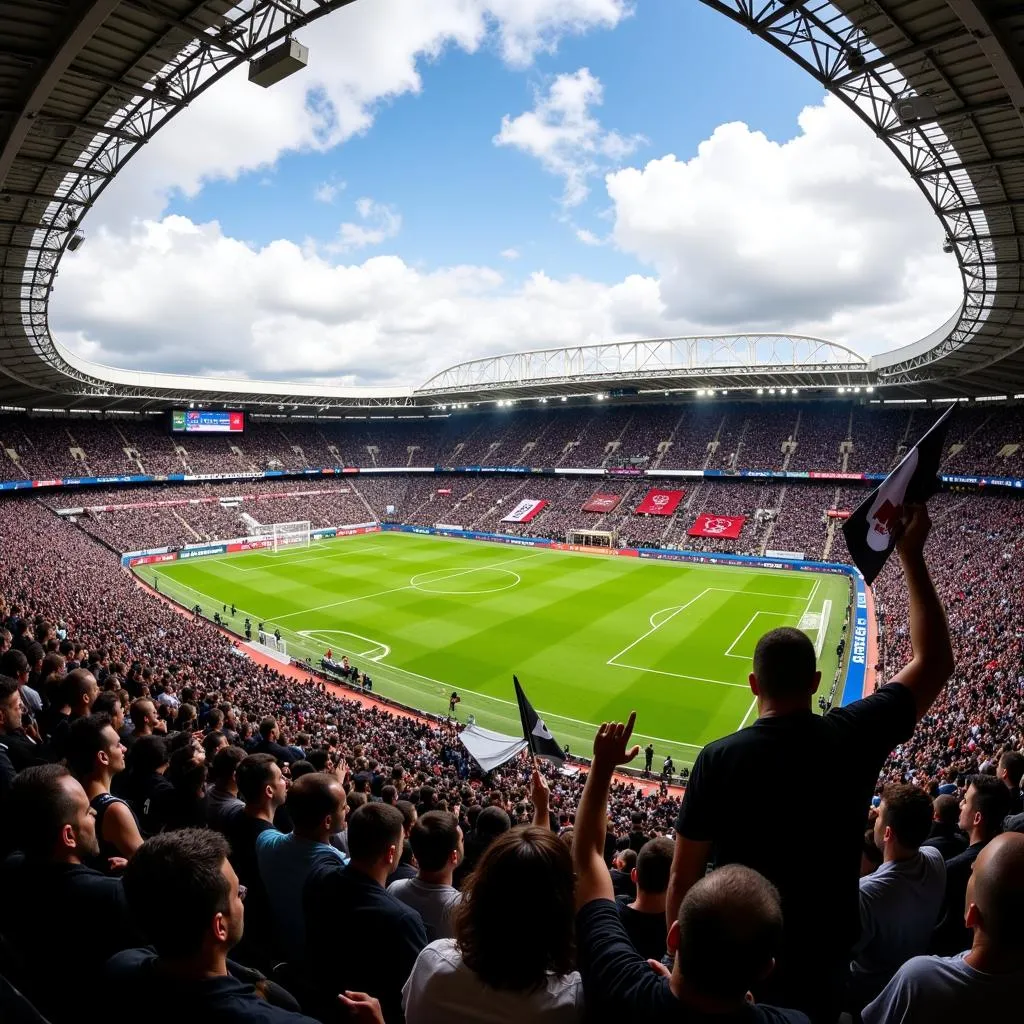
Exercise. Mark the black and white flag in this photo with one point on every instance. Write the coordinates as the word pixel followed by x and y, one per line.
pixel 870 532
pixel 535 731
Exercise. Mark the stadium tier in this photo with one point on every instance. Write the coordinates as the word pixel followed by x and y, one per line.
pixel 826 437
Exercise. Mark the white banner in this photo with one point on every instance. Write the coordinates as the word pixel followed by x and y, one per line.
pixel 525 510
pixel 490 749
pixel 797 556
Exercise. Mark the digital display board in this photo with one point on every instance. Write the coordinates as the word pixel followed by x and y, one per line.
pixel 207 421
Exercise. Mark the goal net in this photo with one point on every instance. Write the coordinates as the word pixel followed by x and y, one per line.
pixel 290 535
pixel 592 538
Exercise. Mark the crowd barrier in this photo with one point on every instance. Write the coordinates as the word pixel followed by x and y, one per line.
pixel 859 675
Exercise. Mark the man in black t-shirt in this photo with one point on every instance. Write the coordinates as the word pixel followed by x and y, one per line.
pixel 724 940
pixel 192 926
pixel 825 768
pixel 643 917
pixel 270 732
pixel 52 901
pixel 357 934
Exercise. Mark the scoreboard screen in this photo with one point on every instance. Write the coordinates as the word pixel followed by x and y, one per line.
pixel 207 421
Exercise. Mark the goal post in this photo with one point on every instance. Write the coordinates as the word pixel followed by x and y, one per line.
pixel 592 538
pixel 290 535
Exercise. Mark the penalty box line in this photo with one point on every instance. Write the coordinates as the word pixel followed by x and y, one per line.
pixel 615 663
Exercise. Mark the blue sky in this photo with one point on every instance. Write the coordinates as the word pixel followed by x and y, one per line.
pixel 476 151
pixel 672 73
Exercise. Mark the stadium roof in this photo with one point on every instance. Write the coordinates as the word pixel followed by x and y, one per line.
pixel 84 83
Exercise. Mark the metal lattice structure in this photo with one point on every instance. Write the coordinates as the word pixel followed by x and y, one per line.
pixel 85 83
pixel 737 360
pixel 961 60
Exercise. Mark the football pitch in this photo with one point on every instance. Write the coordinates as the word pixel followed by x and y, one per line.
pixel 591 637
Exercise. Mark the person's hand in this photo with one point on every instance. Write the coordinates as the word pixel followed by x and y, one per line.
pixel 610 743
pixel 117 863
pixel 659 968
pixel 540 794
pixel 362 1007
pixel 914 528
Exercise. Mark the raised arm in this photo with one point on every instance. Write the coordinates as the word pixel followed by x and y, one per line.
pixel 540 796
pixel 593 882
pixel 932 663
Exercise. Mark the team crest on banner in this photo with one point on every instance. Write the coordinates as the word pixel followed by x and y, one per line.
pixel 726 527
pixel 659 502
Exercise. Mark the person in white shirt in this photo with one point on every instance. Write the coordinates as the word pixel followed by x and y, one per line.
pixel 986 981
pixel 512 956
pixel 902 900
pixel 437 846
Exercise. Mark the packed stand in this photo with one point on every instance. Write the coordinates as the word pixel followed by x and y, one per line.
pixel 221 841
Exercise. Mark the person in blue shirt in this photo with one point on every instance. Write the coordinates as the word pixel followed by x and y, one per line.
pixel 317 806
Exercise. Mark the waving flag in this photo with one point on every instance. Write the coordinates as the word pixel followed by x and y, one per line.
pixel 727 527
pixel 538 736
pixel 870 532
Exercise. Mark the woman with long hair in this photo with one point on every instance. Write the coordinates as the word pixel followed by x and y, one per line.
pixel 512 958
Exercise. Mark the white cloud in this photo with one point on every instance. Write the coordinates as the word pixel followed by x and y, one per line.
pixel 509 254
pixel 360 56
pixel 328 191
pixel 588 237
pixel 379 223
pixel 820 235
pixel 563 134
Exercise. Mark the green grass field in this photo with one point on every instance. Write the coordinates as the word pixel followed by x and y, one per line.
pixel 590 637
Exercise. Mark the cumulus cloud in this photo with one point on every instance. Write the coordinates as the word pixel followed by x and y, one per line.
pixel 378 222
pixel 819 235
pixel 360 57
pixel 564 135
pixel 816 231
pixel 588 237
pixel 509 254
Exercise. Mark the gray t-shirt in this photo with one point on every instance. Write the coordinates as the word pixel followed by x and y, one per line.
pixel 900 905
pixel 434 903
pixel 945 990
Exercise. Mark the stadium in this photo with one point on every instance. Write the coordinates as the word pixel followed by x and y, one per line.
pixel 260 587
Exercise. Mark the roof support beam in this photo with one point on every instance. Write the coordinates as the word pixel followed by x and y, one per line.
pixel 92 18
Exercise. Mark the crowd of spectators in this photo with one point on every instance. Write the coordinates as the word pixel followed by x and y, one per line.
pixel 218 838
pixel 719 434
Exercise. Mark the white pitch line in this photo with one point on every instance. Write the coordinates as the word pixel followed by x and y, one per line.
pixel 653 629
pixel 548 715
pixel 753 704
pixel 778 615
pixel 396 590
pixel 678 675
pixel 275 562
pixel 758 593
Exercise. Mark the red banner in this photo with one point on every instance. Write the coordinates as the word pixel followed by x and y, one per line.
pixel 602 502
pixel 838 513
pixel 660 503
pixel 726 527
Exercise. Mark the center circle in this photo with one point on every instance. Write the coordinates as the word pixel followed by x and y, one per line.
pixel 464 581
